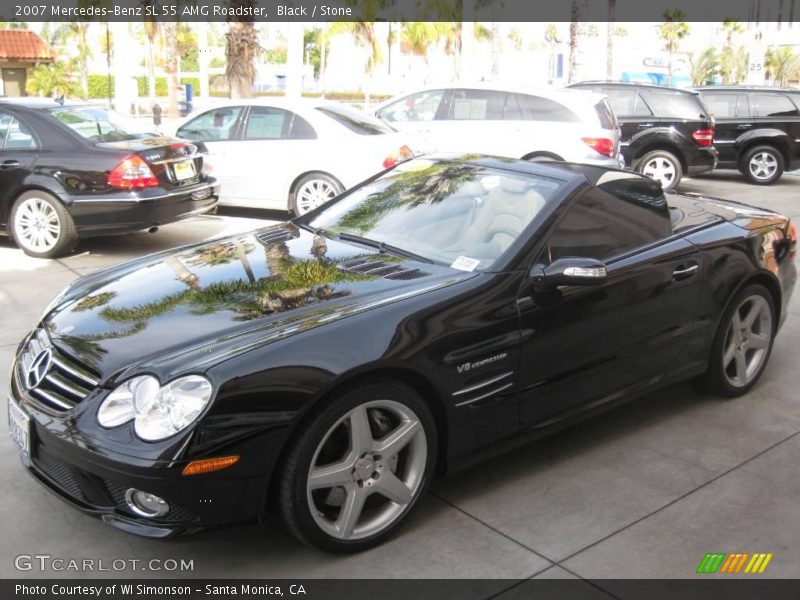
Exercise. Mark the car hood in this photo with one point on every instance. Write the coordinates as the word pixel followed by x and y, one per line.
pixel 193 307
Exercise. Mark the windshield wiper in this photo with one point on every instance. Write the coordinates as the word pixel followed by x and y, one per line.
pixel 383 247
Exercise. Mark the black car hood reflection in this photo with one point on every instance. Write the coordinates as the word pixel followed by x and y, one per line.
pixel 191 308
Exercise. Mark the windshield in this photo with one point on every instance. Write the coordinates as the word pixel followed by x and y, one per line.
pixel 459 214
pixel 355 121
pixel 100 124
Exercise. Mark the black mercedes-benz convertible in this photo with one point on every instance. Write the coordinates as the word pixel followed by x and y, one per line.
pixel 328 368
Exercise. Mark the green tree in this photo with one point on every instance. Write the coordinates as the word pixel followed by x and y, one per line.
pixel 672 31
pixel 575 17
pixel 782 65
pixel 50 81
pixel 12 24
pixel 730 57
pixel 704 66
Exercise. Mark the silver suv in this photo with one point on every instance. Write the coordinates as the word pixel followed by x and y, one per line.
pixel 571 125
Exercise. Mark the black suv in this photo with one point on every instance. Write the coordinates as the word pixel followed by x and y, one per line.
pixel 666 132
pixel 757 129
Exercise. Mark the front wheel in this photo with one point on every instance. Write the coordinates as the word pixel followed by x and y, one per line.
pixel 762 165
pixel 662 166
pixel 312 191
pixel 358 468
pixel 41 226
pixel 743 342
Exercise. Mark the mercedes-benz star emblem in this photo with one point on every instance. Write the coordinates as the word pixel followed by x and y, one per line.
pixel 39 367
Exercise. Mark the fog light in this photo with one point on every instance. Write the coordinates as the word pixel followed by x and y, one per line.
pixel 146 505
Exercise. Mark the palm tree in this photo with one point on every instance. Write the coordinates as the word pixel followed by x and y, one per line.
pixel 704 67
pixel 672 31
pixel 241 50
pixel 419 37
pixel 728 58
pixel 152 32
pixel 782 64
pixel 575 17
pixel 364 35
pixel 50 81
pixel 612 10
pixel 170 55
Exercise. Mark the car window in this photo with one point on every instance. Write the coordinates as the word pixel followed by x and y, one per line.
pixel 477 105
pixel 544 109
pixel 611 219
pixel 606 115
pixel 422 106
pixel 215 125
pixel 268 123
pixel 355 120
pixel 514 109
pixel 774 105
pixel 101 124
pixel 14 135
pixel 626 103
pixel 670 104
pixel 442 210
pixel 727 105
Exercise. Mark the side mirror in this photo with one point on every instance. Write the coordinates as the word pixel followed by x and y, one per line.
pixel 569 271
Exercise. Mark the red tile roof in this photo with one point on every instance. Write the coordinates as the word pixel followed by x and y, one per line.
pixel 19 44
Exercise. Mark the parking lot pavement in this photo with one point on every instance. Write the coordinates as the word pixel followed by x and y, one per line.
pixel 642 491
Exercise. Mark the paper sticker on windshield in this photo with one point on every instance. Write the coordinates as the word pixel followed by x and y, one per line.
pixel 465 263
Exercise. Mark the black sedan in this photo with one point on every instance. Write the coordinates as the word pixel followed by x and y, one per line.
pixel 72 170
pixel 327 368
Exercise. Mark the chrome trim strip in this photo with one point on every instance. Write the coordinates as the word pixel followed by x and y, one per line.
pixel 486 395
pixel 65 385
pixel 478 386
pixel 166 161
pixel 52 399
pixel 134 200
pixel 74 371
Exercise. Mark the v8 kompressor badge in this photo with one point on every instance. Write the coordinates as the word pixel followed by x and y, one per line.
pixel 481 363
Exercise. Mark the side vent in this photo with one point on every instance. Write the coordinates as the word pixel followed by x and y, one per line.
pixel 274 235
pixel 380 268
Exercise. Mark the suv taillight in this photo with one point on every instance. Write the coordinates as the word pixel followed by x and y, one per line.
pixel 133 173
pixel 703 137
pixel 403 153
pixel 604 146
pixel 792 240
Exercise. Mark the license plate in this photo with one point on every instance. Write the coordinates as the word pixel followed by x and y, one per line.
pixel 184 170
pixel 19 427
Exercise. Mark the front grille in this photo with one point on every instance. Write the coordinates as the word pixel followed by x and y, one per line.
pixel 59 473
pixel 274 235
pixel 51 377
pixel 380 268
pixel 177 513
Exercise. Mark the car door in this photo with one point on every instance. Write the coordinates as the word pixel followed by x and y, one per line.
pixel 731 112
pixel 585 345
pixel 18 153
pixel 219 129
pixel 416 113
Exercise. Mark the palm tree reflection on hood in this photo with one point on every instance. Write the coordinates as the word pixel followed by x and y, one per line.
pixel 408 188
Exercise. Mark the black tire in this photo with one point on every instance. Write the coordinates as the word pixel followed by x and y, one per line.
pixel 324 181
pixel 292 493
pixel 658 156
pixel 57 244
pixel 772 165
pixel 717 379
pixel 544 158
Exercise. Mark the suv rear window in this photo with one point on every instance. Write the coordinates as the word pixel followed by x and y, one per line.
pixel 727 105
pixel 606 115
pixel 355 121
pixel 674 105
pixel 774 105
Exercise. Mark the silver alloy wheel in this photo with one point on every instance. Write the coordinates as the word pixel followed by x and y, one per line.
pixel 37 225
pixel 660 169
pixel 365 484
pixel 747 341
pixel 763 165
pixel 314 193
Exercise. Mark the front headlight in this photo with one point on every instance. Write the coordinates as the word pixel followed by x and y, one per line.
pixel 157 411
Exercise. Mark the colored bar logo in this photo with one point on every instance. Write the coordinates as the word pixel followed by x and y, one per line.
pixel 737 562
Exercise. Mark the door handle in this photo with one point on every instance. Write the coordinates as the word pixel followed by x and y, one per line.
pixel 684 271
pixel 9 164
pixel 644 125
pixel 744 126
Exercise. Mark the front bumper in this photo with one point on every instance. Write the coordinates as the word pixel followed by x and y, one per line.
pixel 132 211
pixel 95 481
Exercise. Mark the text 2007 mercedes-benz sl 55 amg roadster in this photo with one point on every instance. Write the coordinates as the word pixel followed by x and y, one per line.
pixel 328 368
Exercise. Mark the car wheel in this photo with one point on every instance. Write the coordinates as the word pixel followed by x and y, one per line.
pixel 314 190
pixel 41 226
pixel 743 343
pixel 358 468
pixel 662 166
pixel 762 165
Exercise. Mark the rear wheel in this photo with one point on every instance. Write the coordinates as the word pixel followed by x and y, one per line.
pixel 314 190
pixel 762 165
pixel 743 343
pixel 662 166
pixel 358 468
pixel 41 226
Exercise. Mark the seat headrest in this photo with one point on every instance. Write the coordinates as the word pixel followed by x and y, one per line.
pixel 514 186
pixel 471 188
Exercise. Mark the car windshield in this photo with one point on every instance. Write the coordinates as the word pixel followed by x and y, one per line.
pixel 355 121
pixel 455 213
pixel 100 124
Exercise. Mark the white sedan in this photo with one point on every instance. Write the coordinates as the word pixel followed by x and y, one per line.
pixel 296 155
